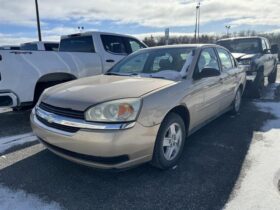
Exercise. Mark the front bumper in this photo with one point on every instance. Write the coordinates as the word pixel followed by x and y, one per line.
pixel 100 148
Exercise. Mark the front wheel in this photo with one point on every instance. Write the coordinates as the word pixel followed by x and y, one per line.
pixel 170 142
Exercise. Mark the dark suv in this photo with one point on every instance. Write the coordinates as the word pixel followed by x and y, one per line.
pixel 257 56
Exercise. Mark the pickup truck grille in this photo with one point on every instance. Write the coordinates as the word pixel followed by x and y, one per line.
pixel 62 111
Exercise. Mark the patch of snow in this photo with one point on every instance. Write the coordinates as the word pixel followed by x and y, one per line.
pixel 257 184
pixel 20 200
pixel 9 142
pixel 269 93
pixel 3 110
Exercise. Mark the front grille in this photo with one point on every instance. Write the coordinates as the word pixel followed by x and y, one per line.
pixel 58 126
pixel 90 158
pixel 62 111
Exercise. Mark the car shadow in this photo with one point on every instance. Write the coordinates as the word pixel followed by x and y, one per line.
pixel 204 179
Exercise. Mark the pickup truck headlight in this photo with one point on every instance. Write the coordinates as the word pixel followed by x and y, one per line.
pixel 123 110
pixel 245 62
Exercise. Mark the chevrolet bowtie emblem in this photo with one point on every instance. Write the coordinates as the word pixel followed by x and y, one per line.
pixel 50 119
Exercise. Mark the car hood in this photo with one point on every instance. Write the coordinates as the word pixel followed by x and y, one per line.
pixel 83 93
pixel 241 56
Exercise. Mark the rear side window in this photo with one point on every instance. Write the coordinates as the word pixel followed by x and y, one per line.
pixel 134 45
pixel 51 47
pixel 113 44
pixel 226 59
pixel 29 47
pixel 77 44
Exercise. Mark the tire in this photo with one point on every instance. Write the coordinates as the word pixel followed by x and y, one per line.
pixel 272 77
pixel 41 87
pixel 237 102
pixel 170 142
pixel 257 86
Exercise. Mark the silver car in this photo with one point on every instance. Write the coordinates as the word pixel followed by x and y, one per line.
pixel 142 109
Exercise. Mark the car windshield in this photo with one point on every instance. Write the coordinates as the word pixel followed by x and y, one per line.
pixel 153 62
pixel 248 46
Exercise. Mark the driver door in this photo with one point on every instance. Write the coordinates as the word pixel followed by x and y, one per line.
pixel 210 88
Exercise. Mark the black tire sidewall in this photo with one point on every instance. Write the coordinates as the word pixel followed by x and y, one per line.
pixel 234 111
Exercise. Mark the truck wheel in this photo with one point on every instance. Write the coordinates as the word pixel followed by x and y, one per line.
pixel 257 86
pixel 40 87
pixel 273 75
pixel 170 142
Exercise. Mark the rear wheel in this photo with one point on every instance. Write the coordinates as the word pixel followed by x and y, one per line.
pixel 237 102
pixel 170 142
pixel 272 77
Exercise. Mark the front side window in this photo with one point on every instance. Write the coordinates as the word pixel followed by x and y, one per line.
pixel 207 59
pixel 154 61
pixel 113 44
pixel 225 58
pixel 77 44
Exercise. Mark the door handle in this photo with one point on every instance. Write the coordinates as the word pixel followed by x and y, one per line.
pixel 110 61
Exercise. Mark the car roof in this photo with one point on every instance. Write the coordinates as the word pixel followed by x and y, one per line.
pixel 182 46
pixel 246 37
pixel 96 32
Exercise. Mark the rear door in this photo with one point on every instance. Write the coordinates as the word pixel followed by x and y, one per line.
pixel 114 48
pixel 229 75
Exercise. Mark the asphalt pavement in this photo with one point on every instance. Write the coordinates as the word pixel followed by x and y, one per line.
pixel 204 178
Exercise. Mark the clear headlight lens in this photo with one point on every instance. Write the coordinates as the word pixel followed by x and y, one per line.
pixel 245 62
pixel 123 110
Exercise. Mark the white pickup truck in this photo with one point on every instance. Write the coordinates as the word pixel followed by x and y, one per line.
pixel 25 74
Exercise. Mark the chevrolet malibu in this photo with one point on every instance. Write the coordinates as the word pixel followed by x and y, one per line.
pixel 142 109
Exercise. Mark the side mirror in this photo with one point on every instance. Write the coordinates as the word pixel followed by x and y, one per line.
pixel 274 49
pixel 209 72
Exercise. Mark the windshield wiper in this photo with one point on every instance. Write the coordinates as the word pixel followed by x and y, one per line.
pixel 158 77
pixel 113 73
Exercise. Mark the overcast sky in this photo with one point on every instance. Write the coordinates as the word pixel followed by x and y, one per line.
pixel 139 17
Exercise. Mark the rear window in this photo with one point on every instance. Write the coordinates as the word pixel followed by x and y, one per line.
pixel 29 47
pixel 51 46
pixel 77 44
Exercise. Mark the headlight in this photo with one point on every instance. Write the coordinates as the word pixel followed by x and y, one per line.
pixel 123 110
pixel 245 62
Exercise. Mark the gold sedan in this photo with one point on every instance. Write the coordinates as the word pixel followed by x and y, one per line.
pixel 142 109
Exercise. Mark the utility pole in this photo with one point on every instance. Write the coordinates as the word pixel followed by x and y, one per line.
pixel 228 27
pixel 197 20
pixel 38 21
